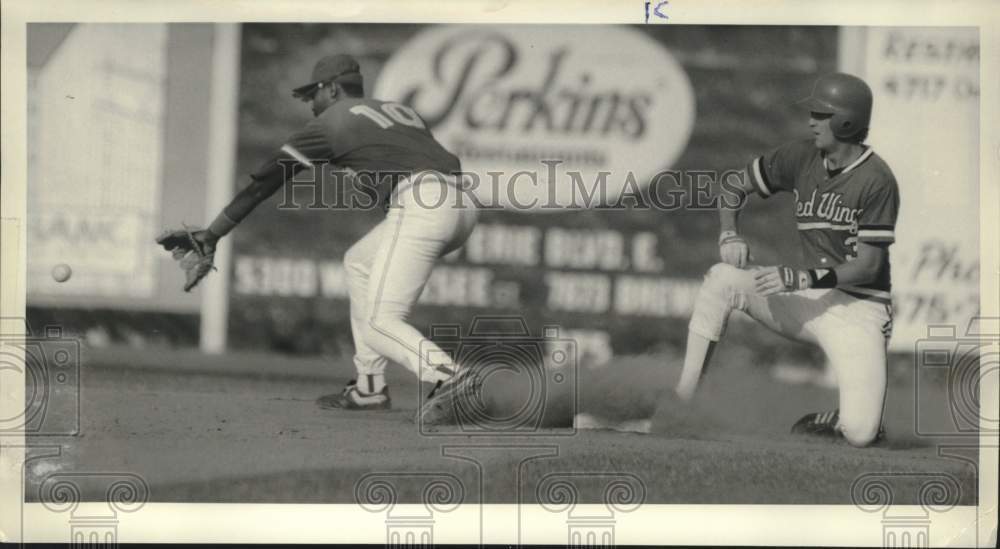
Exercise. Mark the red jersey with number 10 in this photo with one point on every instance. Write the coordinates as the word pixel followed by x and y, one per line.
pixel 369 136
pixel 834 210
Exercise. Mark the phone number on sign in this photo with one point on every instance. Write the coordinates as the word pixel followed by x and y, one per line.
pixel 930 87
pixel 934 307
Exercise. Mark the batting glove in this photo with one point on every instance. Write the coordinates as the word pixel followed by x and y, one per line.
pixel 733 249
pixel 780 278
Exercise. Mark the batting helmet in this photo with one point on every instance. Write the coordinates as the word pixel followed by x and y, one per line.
pixel 847 98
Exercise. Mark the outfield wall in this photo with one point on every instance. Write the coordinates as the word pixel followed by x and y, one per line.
pixel 109 169
pixel 113 160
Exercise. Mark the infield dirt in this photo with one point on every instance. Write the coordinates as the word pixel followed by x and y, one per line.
pixel 244 428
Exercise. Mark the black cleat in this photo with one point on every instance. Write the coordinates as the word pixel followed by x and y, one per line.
pixel 351 398
pixel 439 406
pixel 822 424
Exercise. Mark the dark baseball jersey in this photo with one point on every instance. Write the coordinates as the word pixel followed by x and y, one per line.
pixel 834 210
pixel 367 136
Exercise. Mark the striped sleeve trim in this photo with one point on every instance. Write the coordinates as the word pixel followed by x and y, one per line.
pixel 294 153
pixel 823 225
pixel 877 233
pixel 759 177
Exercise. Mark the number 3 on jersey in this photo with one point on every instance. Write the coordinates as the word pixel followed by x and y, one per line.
pixel 400 113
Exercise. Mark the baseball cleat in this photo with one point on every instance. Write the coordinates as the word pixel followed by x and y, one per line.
pixel 351 398
pixel 824 424
pixel 818 423
pixel 439 407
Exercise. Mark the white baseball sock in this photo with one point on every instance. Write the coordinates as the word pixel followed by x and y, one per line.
pixel 696 357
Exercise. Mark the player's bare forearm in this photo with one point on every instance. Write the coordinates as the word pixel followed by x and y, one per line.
pixel 732 199
pixel 733 248
pixel 729 219
pixel 863 269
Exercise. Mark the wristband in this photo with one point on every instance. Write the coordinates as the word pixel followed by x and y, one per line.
pixel 221 226
pixel 823 278
pixel 728 236
pixel 794 280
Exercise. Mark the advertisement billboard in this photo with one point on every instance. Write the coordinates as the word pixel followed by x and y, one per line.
pixel 925 124
pixel 546 118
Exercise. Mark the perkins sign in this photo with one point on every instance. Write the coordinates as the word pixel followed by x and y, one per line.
pixel 546 115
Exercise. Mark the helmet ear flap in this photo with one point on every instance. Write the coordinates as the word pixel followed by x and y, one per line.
pixel 845 125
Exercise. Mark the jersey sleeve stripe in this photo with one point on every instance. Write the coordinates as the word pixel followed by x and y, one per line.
pixel 876 227
pixel 759 178
pixel 823 225
pixel 869 233
pixel 294 153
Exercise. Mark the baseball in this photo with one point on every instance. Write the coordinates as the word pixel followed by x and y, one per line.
pixel 61 272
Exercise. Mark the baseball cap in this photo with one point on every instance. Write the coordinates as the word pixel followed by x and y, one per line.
pixel 339 67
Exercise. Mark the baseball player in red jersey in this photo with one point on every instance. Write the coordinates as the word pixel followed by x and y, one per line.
pixel 388 268
pixel 846 203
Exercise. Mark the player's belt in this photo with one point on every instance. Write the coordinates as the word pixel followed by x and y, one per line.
pixel 881 296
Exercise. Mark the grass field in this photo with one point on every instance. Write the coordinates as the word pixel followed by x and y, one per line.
pixel 244 428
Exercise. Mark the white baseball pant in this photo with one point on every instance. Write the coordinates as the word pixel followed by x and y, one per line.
pixel 852 332
pixel 388 268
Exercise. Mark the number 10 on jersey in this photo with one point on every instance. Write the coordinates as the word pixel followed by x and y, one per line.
pixel 392 112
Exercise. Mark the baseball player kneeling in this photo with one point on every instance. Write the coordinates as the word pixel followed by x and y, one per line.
pixel 846 203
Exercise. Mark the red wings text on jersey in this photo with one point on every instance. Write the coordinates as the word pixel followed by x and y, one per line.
pixel 834 211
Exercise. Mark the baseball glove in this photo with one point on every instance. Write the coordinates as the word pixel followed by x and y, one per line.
pixel 193 250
